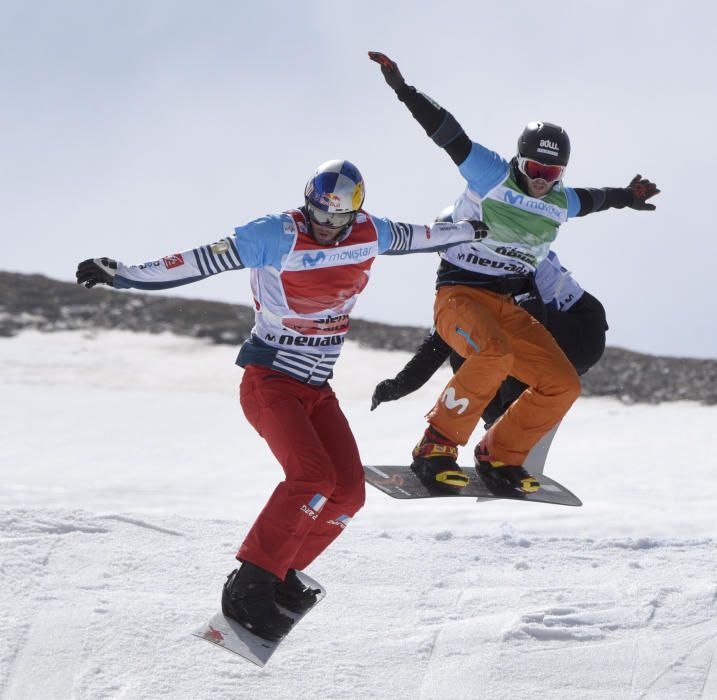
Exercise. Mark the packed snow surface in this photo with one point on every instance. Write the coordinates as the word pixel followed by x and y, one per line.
pixel 129 477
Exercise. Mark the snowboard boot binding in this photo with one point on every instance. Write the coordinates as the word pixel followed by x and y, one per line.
pixel 500 477
pixel 434 463
pixel 248 598
pixel 293 595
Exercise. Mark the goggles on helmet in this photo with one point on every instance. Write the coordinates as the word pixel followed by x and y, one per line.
pixel 330 219
pixel 535 170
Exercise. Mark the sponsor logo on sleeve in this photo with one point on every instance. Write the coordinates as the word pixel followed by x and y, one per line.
pixel 171 261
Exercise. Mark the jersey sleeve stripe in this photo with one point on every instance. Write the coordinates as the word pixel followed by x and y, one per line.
pixel 207 263
pixel 233 254
pixel 198 261
pixel 401 236
pixel 212 258
pixel 222 260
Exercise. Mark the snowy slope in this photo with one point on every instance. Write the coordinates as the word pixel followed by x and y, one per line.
pixel 129 477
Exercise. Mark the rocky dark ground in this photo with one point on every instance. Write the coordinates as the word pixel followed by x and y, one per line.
pixel 37 302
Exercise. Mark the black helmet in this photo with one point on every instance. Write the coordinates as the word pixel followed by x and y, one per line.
pixel 545 142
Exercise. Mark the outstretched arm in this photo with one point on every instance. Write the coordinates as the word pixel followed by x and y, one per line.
pixel 170 271
pixel 396 238
pixel 439 124
pixel 431 354
pixel 635 196
pixel 260 243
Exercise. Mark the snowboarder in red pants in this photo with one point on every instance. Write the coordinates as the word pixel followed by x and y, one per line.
pixel 308 266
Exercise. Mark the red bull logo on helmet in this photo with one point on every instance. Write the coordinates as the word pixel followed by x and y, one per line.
pixel 330 199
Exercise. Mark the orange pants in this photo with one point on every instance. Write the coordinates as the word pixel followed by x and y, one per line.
pixel 498 338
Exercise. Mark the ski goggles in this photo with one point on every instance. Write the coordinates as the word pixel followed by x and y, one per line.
pixel 536 170
pixel 330 219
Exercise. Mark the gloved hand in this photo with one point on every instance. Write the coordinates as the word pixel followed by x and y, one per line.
pixel 387 390
pixel 480 229
pixel 96 271
pixel 641 190
pixel 389 69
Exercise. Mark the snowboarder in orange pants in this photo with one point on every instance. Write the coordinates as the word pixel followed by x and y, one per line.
pixel 524 202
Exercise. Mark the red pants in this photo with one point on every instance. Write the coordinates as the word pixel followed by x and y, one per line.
pixel 324 486
pixel 498 338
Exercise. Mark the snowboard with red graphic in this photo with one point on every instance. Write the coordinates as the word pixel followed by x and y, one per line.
pixel 236 638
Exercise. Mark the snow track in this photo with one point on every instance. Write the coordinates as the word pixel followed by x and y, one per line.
pixel 95 607
pixel 123 499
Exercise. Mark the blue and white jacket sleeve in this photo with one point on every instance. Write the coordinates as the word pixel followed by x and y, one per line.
pixel 396 238
pixel 483 169
pixel 260 243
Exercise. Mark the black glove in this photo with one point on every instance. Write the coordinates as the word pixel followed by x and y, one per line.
pixel 641 190
pixel 389 69
pixel 96 271
pixel 387 390
pixel 480 229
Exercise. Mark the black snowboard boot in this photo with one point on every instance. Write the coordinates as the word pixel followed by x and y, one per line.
pixel 501 477
pixel 248 598
pixel 293 595
pixel 434 463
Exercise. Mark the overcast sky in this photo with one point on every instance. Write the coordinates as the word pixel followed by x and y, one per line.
pixel 137 129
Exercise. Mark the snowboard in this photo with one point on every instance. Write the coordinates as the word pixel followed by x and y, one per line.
pixel 236 638
pixel 401 482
